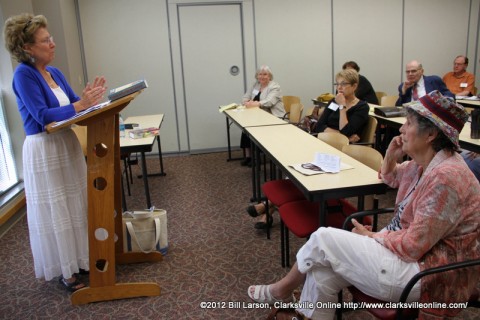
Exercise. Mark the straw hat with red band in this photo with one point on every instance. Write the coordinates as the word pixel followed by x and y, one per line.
pixel 443 112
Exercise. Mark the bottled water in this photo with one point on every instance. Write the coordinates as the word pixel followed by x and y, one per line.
pixel 121 126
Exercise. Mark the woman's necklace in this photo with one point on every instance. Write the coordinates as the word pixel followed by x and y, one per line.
pixel 352 103
pixel 48 78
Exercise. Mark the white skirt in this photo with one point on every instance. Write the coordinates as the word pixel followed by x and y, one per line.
pixel 55 177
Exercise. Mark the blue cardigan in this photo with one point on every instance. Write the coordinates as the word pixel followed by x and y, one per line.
pixel 37 104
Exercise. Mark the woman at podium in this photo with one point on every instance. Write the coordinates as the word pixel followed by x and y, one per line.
pixel 54 167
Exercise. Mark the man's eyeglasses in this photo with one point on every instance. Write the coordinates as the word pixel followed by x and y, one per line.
pixel 411 71
pixel 342 84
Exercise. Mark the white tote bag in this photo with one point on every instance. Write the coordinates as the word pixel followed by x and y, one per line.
pixel 145 231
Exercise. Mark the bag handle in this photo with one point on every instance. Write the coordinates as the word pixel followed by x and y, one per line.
pixel 134 236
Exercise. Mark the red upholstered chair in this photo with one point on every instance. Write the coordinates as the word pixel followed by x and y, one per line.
pixel 302 219
pixel 402 313
pixel 279 192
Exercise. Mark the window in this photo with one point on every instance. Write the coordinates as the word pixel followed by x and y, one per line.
pixel 8 171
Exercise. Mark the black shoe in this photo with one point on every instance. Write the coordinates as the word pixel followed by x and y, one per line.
pixel 246 162
pixel 263 225
pixel 83 271
pixel 252 211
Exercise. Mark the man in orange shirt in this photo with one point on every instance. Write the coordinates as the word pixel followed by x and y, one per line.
pixel 459 81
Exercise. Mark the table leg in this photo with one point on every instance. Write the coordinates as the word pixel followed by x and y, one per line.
pixel 229 124
pixel 254 175
pixel 145 180
pixel 160 157
pixel 228 141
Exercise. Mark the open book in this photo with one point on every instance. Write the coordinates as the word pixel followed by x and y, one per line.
pixel 127 89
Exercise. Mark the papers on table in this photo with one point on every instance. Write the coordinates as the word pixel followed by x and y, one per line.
pixel 323 163
pixel 473 98
pixel 227 107
pixel 81 113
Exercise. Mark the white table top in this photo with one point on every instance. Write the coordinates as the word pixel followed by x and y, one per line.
pixel 253 117
pixel 289 145
pixel 472 103
pixel 147 121
pixel 464 137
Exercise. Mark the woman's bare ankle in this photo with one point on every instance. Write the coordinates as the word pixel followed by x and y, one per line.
pixel 278 293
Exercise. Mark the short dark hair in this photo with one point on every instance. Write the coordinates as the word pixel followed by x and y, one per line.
pixel 464 58
pixel 351 64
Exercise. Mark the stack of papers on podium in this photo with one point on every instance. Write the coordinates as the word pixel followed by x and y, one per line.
pixel 323 163
pixel 81 113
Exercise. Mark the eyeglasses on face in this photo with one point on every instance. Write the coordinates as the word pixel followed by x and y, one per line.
pixel 342 84
pixel 48 40
pixel 411 71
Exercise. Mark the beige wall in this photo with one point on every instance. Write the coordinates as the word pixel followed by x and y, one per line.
pixel 305 43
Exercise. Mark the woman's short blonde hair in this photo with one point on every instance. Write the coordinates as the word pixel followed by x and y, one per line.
pixel 349 75
pixel 20 30
pixel 264 68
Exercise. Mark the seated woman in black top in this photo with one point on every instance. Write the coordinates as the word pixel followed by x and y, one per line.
pixel 346 113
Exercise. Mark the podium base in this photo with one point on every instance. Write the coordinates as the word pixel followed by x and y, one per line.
pixel 137 257
pixel 117 291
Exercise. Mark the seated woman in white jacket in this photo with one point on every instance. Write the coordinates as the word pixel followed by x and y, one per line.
pixel 266 94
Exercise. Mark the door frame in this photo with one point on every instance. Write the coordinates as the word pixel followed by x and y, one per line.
pixel 249 57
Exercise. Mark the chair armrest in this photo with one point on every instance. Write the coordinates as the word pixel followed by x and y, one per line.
pixel 426 272
pixel 365 213
pixel 286 115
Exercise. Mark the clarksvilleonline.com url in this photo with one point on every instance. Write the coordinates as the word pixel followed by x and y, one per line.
pixel 367 305
pixel 330 305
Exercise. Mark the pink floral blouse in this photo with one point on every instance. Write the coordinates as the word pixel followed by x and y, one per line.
pixel 440 225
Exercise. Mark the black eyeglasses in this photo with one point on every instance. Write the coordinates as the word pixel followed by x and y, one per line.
pixel 311 166
pixel 342 84
pixel 29 22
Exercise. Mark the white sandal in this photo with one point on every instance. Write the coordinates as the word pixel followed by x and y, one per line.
pixel 261 294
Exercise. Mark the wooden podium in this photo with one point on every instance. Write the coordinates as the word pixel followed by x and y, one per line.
pixel 105 236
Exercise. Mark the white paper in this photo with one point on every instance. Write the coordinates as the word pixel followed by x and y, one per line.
pixel 81 113
pixel 303 168
pixel 327 162
pixel 473 98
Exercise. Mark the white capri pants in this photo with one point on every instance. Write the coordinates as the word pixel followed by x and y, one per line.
pixel 334 259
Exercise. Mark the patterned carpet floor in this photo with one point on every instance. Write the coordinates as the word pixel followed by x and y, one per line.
pixel 214 252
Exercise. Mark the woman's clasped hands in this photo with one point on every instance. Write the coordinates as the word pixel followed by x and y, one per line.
pixel 92 94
